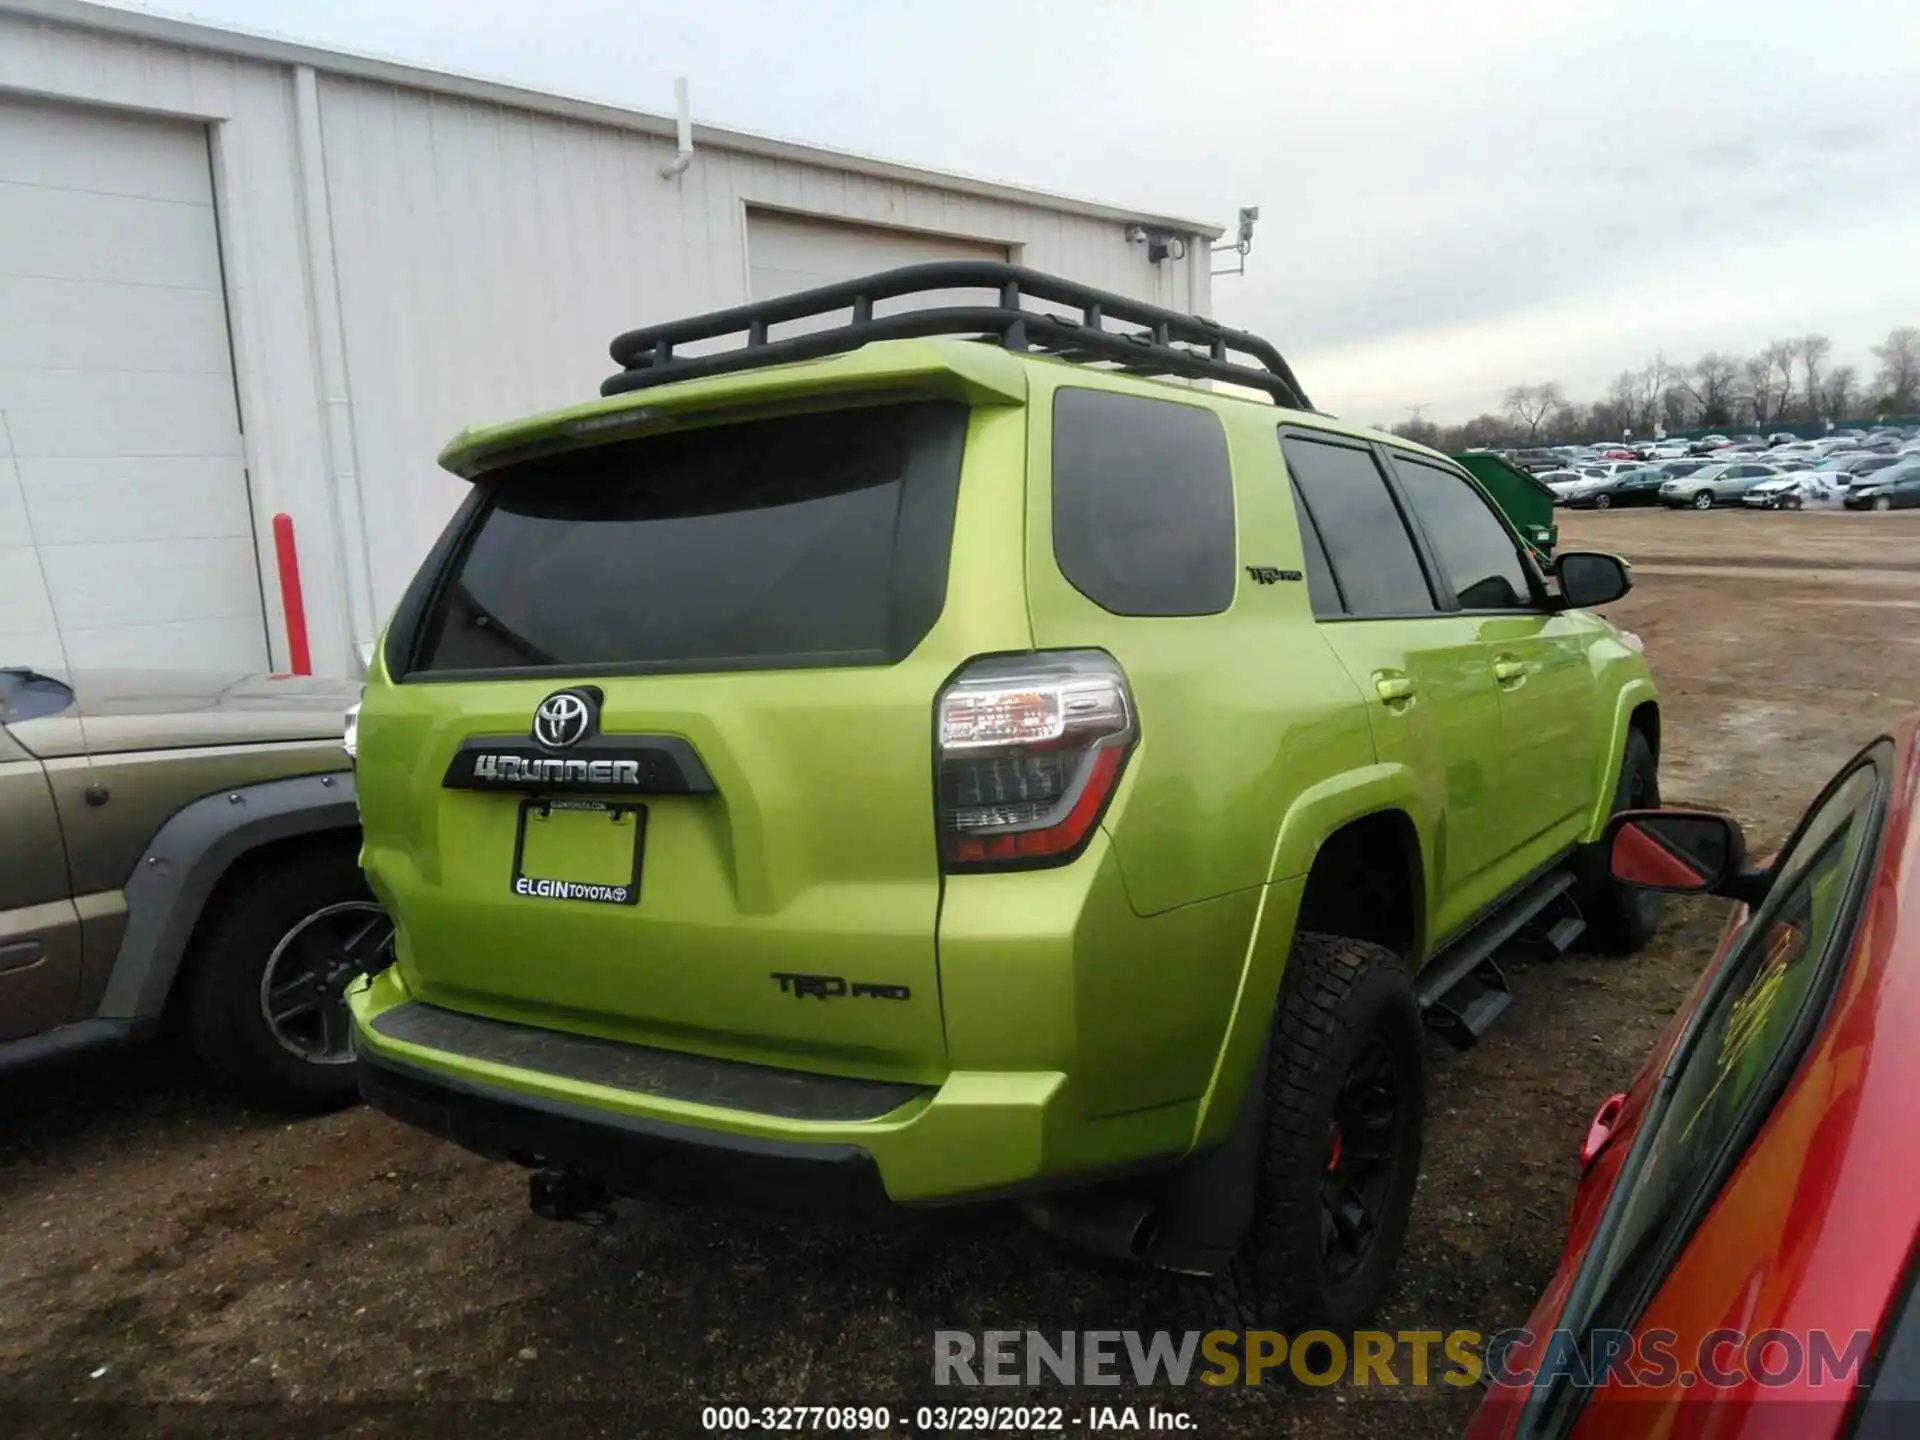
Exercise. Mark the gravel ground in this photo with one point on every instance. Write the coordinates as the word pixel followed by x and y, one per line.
pixel 175 1263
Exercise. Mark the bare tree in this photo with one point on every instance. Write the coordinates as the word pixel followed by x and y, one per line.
pixel 1486 430
pixel 1609 417
pixel 1899 379
pixel 1623 400
pixel 1640 393
pixel 1758 370
pixel 1529 405
pixel 1780 355
pixel 1841 394
pixel 1678 408
pixel 1715 387
pixel 1420 431
pixel 1655 380
pixel 1814 350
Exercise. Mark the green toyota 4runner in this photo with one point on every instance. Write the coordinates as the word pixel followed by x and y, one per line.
pixel 875 767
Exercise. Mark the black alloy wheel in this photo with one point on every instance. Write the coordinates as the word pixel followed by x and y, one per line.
pixel 1364 1146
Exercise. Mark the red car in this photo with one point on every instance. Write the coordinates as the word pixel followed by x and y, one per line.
pixel 1740 1258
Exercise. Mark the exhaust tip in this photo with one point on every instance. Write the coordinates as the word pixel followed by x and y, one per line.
pixel 1121 1229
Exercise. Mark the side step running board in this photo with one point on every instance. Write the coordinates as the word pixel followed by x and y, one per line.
pixel 1463 991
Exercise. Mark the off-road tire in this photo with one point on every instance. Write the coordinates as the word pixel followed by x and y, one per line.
pixel 225 1023
pixel 1338 994
pixel 1620 918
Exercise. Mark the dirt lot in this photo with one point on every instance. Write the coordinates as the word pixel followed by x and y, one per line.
pixel 177 1263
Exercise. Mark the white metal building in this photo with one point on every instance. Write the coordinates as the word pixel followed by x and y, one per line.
pixel 242 278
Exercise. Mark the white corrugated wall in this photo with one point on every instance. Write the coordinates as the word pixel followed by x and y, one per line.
pixel 246 107
pixel 524 242
pixel 484 253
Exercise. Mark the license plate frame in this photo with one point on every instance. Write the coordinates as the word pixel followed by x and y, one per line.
pixel 539 811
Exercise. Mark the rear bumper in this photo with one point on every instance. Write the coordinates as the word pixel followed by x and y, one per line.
pixel 647 1130
pixel 629 1155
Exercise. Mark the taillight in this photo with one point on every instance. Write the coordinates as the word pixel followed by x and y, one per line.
pixel 1030 750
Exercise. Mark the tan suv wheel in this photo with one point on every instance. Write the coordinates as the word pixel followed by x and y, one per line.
pixel 267 1009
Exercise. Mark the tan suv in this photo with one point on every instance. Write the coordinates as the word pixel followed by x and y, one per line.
pixel 179 848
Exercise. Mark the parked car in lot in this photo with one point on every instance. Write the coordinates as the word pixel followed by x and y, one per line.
pixel 1855 465
pixel 1757 1186
pixel 1535 461
pixel 1674 469
pixel 651 946
pixel 1806 490
pixel 1894 489
pixel 1632 485
pixel 178 847
pixel 1716 484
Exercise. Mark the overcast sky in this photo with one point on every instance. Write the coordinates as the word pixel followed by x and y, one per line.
pixel 1456 197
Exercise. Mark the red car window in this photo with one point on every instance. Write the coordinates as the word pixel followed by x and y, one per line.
pixel 1729 1069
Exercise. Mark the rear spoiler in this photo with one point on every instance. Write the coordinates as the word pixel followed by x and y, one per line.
pixel 971 373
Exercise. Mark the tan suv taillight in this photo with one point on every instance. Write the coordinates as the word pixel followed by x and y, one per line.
pixel 1030 749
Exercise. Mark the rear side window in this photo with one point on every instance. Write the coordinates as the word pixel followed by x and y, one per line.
pixel 803 540
pixel 1142 503
pixel 1474 547
pixel 1322 593
pixel 1361 535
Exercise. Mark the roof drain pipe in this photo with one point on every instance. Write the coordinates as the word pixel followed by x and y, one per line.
pixel 677 166
pixel 353 556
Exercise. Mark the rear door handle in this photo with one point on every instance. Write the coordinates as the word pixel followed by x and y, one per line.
pixel 1506 669
pixel 18 954
pixel 1394 689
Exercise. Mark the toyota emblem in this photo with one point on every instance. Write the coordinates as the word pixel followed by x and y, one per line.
pixel 564 718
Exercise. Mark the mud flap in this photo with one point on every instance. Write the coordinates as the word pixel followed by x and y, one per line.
pixel 1207 1206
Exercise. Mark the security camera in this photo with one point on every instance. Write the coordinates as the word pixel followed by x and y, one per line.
pixel 1248 215
pixel 1136 235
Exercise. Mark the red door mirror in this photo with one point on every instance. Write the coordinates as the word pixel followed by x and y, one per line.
pixel 1682 850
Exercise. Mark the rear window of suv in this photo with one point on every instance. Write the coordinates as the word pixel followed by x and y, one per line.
pixel 801 540
pixel 1142 503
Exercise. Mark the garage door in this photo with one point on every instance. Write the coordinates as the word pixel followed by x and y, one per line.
pixel 126 537
pixel 795 252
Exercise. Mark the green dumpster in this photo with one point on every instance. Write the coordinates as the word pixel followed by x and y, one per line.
pixel 1527 502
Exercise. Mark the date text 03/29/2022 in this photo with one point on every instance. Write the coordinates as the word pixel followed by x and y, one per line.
pixel 943 1419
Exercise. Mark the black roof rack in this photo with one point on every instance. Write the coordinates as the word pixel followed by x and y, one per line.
pixel 1166 342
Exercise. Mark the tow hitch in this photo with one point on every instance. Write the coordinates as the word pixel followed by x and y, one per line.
pixel 567 1195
